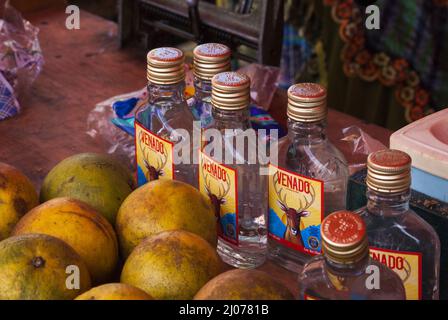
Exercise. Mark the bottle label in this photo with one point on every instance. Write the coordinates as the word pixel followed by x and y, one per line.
pixel 408 265
pixel 154 156
pixel 296 210
pixel 219 183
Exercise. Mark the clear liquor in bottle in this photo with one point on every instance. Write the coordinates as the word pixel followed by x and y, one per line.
pixel 309 182
pixel 398 237
pixel 164 122
pixel 345 271
pixel 231 180
pixel 209 60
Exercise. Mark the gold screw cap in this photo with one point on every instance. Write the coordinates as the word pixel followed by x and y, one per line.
pixel 389 171
pixel 165 66
pixel 211 59
pixel 230 91
pixel 307 102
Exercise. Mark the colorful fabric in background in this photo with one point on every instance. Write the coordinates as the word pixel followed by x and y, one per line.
pixel 407 53
pixel 301 61
pixel 296 53
pixel 390 76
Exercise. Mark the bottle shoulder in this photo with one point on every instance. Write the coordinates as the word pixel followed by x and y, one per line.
pixel 406 231
pixel 166 107
pixel 320 161
pixel 408 221
pixel 173 122
pixel 323 148
pixel 372 282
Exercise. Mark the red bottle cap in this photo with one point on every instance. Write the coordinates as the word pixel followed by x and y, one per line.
pixel 344 238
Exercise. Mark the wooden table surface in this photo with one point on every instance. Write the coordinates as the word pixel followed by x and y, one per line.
pixel 84 67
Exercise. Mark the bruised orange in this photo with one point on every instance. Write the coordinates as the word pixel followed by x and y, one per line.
pixel 96 179
pixel 164 205
pixel 40 267
pixel 17 197
pixel 82 227
pixel 171 265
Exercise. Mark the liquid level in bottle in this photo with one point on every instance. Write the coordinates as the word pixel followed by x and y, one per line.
pixel 250 252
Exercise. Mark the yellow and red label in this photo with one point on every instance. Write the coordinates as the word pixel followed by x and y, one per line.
pixel 154 156
pixel 220 184
pixel 296 210
pixel 408 265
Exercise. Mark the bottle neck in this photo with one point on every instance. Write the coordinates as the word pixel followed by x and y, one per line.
pixel 387 205
pixel 173 93
pixel 307 133
pixel 231 119
pixel 345 270
pixel 203 90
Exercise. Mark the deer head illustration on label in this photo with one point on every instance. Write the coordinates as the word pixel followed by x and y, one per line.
pixel 406 270
pixel 217 199
pixel 153 170
pixel 293 216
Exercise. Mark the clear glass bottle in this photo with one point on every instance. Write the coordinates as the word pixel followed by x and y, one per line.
pixel 230 178
pixel 209 60
pixel 309 182
pixel 398 237
pixel 345 271
pixel 166 121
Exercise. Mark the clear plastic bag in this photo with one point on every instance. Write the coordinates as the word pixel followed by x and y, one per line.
pixel 21 58
pixel 263 83
pixel 101 128
pixel 356 144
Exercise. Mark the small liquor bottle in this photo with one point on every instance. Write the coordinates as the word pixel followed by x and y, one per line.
pixel 209 60
pixel 345 271
pixel 398 237
pixel 230 178
pixel 165 122
pixel 309 182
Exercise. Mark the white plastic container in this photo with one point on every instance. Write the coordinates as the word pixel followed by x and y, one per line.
pixel 426 141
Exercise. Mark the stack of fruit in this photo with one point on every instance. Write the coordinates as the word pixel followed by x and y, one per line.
pixel 93 229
